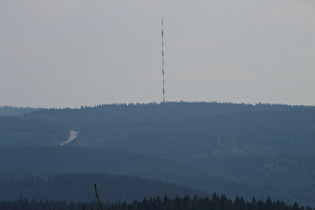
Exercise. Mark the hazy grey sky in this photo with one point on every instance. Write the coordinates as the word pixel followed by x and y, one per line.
pixel 57 53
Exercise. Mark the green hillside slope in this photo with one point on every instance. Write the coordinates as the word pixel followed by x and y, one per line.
pixel 79 187
pixel 229 148
pixel 191 129
pixel 18 131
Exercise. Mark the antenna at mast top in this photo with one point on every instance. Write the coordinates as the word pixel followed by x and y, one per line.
pixel 163 67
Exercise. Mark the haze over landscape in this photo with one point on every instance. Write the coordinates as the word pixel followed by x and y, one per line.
pixel 73 53
pixel 80 104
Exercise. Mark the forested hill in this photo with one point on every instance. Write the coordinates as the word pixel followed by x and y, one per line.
pixel 164 112
pixel 16 111
pixel 191 129
pixel 79 187
pixel 260 149
pixel 16 131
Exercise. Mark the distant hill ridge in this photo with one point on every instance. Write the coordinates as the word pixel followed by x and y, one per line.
pixel 203 128
pixel 16 111
pixel 162 111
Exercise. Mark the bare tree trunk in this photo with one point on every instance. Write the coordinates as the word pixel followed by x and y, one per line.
pixel 99 202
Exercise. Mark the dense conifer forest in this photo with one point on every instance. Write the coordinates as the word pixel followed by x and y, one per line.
pixel 15 111
pixel 159 203
pixel 79 187
pixel 232 149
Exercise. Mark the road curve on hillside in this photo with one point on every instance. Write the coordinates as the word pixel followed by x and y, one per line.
pixel 73 135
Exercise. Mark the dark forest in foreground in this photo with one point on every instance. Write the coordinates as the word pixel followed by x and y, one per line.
pixel 79 187
pixel 157 203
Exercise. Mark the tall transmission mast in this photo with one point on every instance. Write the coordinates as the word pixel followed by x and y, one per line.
pixel 163 62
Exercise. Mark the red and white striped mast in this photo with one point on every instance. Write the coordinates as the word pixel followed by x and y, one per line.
pixel 163 62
